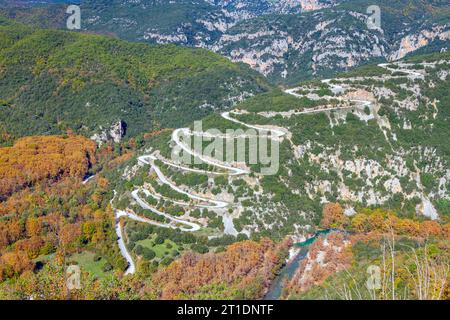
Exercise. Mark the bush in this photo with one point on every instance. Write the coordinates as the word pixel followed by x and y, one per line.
pixel 242 237
pixel 148 254
pixel 200 248
pixel 196 213
pixel 220 249
pixel 175 253
pixel 138 250
pixel 166 261
pixel 107 267
pixel 159 240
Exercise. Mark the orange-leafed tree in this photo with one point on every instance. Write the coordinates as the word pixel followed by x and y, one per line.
pixel 333 216
pixel 37 158
pixel 14 263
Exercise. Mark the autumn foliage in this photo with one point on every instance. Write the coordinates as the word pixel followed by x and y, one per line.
pixel 45 208
pixel 245 269
pixel 326 256
pixel 33 159
pixel 382 221
pixel 333 216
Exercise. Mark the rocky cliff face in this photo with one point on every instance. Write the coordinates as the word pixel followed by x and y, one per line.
pixel 414 41
pixel 197 23
pixel 302 47
pixel 286 40
pixel 245 9
pixel 114 133
pixel 289 49
pixel 311 5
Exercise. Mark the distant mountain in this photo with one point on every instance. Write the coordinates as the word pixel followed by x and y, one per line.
pixel 290 48
pixel 193 23
pixel 287 41
pixel 52 81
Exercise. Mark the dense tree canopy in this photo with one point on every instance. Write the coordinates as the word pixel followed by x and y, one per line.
pixel 33 159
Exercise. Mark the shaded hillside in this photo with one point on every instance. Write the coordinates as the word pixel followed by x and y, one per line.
pixel 51 81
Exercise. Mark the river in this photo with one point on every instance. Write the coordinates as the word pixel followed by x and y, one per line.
pixel 288 271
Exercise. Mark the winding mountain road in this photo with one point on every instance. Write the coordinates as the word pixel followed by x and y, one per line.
pixel 192 226
pixel 150 160
pixel 276 133
pixel 185 132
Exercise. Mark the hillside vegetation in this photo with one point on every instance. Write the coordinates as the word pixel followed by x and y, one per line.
pixel 391 153
pixel 412 259
pixel 51 81
pixel 33 159
pixel 243 271
pixel 287 41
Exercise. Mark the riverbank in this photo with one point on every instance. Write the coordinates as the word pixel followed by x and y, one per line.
pixel 287 272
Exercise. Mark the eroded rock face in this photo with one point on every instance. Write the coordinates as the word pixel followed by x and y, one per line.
pixel 310 5
pixel 285 45
pixel 415 41
pixel 310 47
pixel 427 209
pixel 251 8
pixel 114 133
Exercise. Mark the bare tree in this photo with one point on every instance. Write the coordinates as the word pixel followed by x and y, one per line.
pixel 427 276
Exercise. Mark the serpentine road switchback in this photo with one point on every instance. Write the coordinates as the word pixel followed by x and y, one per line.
pixel 204 202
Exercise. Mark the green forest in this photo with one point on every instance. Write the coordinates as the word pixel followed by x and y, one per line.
pixel 53 81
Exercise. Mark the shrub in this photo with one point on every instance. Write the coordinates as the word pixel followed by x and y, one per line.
pixel 97 257
pixel 159 240
pixel 200 248
pixel 148 254
pixel 107 267
pixel 138 250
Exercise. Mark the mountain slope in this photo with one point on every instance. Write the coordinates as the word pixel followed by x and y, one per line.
pixel 289 48
pixel 51 81
pixel 193 23
pixel 287 41
pixel 375 137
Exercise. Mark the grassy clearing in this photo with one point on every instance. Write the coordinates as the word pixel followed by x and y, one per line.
pixel 161 250
pixel 87 263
